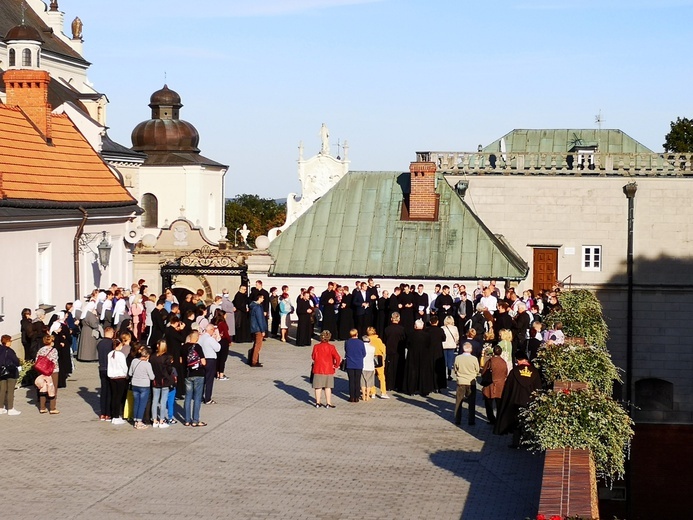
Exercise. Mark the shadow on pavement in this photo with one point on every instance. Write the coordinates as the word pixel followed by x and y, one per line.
pixel 300 394
pixel 503 483
pixel 91 398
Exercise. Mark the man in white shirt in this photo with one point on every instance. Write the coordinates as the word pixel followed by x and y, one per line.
pixel 209 341
pixel 489 301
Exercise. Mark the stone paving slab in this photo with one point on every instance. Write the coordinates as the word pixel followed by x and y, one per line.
pixel 266 454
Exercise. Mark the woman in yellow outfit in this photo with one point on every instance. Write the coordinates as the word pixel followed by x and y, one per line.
pixel 380 371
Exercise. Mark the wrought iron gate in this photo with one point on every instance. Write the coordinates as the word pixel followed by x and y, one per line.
pixel 203 261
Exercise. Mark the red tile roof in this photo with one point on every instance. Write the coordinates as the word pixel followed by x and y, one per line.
pixel 66 171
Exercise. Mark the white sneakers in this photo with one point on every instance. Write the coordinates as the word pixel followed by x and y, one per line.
pixel 12 411
pixel 117 420
pixel 163 425
pixel 2 411
pixel 384 396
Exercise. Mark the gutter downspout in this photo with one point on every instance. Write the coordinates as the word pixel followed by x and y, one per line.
pixel 75 251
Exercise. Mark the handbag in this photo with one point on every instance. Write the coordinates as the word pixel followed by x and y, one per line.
pixel 378 361
pixel 342 365
pixel 487 377
pixel 312 366
pixel 44 366
pixel 8 371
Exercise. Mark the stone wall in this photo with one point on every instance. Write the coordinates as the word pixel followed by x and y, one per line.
pixel 572 212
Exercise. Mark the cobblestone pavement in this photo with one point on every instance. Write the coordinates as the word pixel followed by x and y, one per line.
pixel 265 454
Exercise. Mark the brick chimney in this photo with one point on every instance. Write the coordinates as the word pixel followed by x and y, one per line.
pixel 423 199
pixel 28 90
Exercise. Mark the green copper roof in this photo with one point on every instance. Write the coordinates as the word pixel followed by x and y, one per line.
pixel 563 140
pixel 355 230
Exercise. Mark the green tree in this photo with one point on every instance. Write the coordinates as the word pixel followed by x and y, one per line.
pixel 260 215
pixel 680 137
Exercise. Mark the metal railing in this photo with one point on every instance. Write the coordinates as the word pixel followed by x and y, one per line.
pixel 555 163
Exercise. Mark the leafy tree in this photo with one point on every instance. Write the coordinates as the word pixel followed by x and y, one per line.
pixel 680 138
pixel 260 215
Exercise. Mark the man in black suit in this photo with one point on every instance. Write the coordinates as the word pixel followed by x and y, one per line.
pixel 361 306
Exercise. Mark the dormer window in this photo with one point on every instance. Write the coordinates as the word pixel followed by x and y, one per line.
pixel 26 58
pixel 12 57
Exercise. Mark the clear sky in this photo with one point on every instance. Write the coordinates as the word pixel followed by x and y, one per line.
pixel 390 76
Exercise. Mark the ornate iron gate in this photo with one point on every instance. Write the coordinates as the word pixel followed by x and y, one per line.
pixel 203 261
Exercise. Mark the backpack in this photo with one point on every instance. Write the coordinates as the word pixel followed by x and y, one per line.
pixel 193 357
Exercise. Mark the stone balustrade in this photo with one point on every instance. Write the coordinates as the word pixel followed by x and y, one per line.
pixel 555 163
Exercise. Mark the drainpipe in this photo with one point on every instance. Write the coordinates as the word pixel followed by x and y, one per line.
pixel 629 190
pixel 75 251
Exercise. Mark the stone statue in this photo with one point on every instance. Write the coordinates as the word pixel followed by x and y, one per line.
pixel 325 138
pixel 54 5
pixel 77 29
pixel 244 233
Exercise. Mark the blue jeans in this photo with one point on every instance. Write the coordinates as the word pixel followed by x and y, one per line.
pixel 193 392
pixel 160 404
pixel 141 396
pixel 449 358
pixel 171 401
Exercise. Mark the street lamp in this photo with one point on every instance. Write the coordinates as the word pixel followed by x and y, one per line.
pixel 104 249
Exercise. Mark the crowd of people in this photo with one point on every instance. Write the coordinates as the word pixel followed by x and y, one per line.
pixel 429 340
pixel 158 349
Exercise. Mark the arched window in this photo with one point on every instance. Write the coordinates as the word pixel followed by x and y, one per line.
pixel 150 205
pixel 12 57
pixel 26 58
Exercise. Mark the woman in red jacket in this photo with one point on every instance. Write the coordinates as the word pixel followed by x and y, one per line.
pixel 325 361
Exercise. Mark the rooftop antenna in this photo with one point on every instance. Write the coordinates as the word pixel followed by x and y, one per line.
pixel 599 119
pixel 23 11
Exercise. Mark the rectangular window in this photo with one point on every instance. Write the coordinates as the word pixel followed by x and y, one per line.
pixel 43 274
pixel 591 258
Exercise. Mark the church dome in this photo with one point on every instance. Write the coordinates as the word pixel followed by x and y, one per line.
pixel 23 32
pixel 165 131
pixel 165 135
pixel 165 96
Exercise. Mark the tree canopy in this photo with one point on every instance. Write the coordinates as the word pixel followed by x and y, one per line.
pixel 260 215
pixel 680 137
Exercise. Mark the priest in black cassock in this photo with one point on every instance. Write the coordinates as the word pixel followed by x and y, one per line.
pixel 444 304
pixel 421 303
pixel 395 341
pixel 345 315
pixel 383 313
pixel 406 299
pixel 328 301
pixel 304 310
pixel 242 315
pixel 419 377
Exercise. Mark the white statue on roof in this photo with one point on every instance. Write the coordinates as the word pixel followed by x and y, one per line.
pixel 317 175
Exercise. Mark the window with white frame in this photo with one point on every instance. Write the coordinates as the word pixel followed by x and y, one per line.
pixel 591 258
pixel 43 274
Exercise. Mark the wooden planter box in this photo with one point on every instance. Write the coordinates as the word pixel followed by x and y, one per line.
pixel 569 485
pixel 559 386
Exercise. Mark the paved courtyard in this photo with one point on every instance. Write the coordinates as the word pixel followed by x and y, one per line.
pixel 265 454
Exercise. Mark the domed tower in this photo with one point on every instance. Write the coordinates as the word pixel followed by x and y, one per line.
pixel 23 48
pixel 165 131
pixel 175 180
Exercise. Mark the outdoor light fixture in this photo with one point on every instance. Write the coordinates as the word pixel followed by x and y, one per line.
pixel 461 188
pixel 104 249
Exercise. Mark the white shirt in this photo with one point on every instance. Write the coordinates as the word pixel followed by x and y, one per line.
pixel 209 345
pixel 107 306
pixel 118 311
pixel 369 361
pixel 117 365
pixel 490 302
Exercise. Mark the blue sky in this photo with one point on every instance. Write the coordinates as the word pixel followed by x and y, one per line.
pixel 390 76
